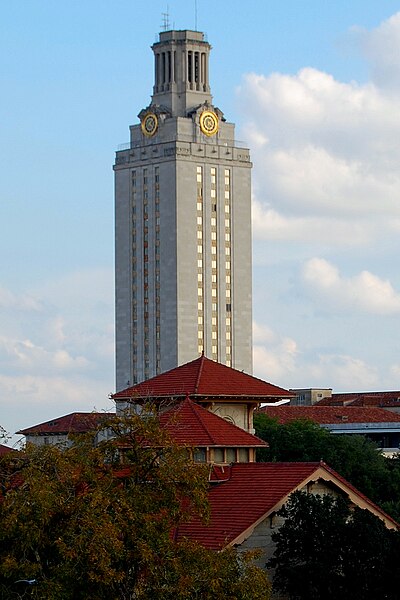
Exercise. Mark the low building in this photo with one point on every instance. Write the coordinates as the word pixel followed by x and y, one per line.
pixel 60 430
pixel 309 396
pixel 245 499
pixel 388 400
pixel 379 425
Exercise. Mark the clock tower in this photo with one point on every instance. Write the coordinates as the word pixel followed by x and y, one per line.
pixel 182 225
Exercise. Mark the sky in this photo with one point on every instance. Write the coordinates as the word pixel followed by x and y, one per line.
pixel 314 89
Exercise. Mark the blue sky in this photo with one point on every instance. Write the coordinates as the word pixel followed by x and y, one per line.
pixel 314 88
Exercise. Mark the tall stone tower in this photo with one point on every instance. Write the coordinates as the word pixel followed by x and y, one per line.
pixel 182 225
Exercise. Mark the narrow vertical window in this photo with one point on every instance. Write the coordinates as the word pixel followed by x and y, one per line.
pixel 200 261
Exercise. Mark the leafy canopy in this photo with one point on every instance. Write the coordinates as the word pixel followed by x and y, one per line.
pixel 83 524
pixel 326 550
pixel 355 457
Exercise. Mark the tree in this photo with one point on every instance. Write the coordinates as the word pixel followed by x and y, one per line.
pixel 355 457
pixel 326 550
pixel 83 524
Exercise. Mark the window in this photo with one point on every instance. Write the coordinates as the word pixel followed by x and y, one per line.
pixel 243 455
pixel 219 455
pixel 199 455
pixel 230 455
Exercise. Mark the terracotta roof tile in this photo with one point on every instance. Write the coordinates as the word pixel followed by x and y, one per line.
pixel 5 450
pixel 203 377
pixel 380 399
pixel 77 422
pixel 192 425
pixel 328 415
pixel 248 492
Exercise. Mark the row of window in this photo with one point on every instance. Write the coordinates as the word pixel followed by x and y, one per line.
pixel 222 455
pixel 140 231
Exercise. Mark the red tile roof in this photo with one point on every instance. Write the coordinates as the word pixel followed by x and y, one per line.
pixel 5 449
pixel 204 378
pixel 192 425
pixel 328 415
pixel 383 399
pixel 249 492
pixel 77 422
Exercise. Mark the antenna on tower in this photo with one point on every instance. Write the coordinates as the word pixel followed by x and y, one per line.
pixel 195 15
pixel 165 20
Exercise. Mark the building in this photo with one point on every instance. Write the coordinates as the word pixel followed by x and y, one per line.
pixel 225 391
pixel 60 431
pixel 379 425
pixel 245 499
pixel 182 225
pixel 388 400
pixel 5 450
pixel 309 396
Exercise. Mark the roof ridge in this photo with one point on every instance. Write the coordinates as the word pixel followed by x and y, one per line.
pixel 196 385
pixel 194 407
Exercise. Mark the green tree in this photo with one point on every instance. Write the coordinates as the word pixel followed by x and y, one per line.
pixel 355 457
pixel 83 524
pixel 326 550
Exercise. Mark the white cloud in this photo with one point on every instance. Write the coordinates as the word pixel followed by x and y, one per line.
pixel 381 46
pixel 326 153
pixel 274 356
pixel 18 302
pixel 269 224
pixel 38 398
pixel 344 373
pixel 282 361
pixel 59 358
pixel 364 291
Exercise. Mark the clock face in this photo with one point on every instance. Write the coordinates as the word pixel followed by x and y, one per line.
pixel 149 124
pixel 208 122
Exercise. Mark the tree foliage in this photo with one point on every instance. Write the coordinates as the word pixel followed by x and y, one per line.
pixel 326 550
pixel 83 525
pixel 355 457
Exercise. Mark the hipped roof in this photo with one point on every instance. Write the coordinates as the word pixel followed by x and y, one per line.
pixel 192 425
pixel 204 378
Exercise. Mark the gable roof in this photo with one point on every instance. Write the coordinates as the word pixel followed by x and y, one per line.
pixel 192 425
pixel 329 415
pixel 248 492
pixel 379 399
pixel 76 422
pixel 204 378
